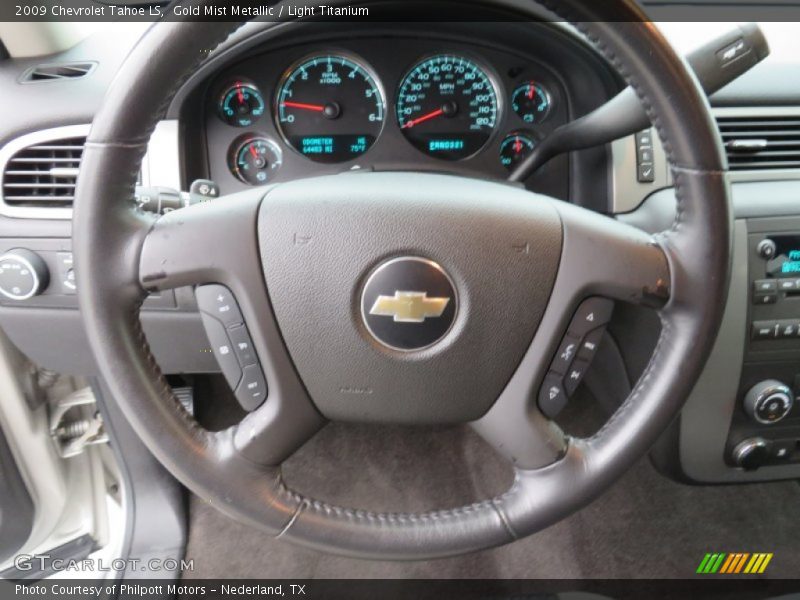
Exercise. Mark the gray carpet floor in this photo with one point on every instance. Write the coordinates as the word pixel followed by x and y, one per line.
pixel 646 526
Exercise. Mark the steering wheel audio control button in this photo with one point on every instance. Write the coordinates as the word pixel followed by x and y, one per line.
pixel 243 346
pixel 575 375
pixel 223 350
pixel 590 344
pixel 552 395
pixel 591 314
pixel 252 390
pixel 565 354
pixel 218 302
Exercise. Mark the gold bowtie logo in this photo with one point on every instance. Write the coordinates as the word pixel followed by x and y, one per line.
pixel 409 307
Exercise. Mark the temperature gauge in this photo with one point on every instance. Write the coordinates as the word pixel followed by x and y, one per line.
pixel 531 102
pixel 241 104
pixel 515 148
pixel 254 160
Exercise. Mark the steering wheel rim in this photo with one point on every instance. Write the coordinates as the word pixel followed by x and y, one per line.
pixel 120 253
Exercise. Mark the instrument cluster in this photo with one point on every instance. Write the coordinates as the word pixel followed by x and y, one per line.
pixel 361 107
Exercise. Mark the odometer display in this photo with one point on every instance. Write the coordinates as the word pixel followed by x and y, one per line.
pixel 447 107
pixel 330 108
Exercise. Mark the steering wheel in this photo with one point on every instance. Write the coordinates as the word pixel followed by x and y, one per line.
pixel 402 298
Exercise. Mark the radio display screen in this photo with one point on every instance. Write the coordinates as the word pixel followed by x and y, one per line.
pixel 786 262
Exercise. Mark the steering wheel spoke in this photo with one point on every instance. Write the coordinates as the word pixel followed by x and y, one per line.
pixel 601 260
pixel 216 243
pixel 603 257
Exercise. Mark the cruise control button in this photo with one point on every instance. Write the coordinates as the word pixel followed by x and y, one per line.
pixel 243 346
pixel 552 396
pixel 590 344
pixel 575 376
pixel 566 353
pixel 218 301
pixel 591 314
pixel 223 350
pixel 252 390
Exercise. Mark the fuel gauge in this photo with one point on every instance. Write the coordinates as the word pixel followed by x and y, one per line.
pixel 241 104
pixel 254 160
pixel 515 147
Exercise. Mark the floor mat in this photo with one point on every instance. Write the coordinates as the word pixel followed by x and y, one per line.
pixel 646 526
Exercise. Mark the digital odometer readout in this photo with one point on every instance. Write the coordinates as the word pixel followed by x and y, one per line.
pixel 447 107
pixel 330 108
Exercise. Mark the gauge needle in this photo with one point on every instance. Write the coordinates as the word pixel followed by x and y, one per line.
pixel 423 118
pixel 517 146
pixel 253 151
pixel 530 92
pixel 301 105
pixel 239 92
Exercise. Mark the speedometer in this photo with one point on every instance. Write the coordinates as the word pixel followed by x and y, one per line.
pixel 447 107
pixel 330 108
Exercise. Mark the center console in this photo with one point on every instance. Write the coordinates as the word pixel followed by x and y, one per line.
pixel 765 427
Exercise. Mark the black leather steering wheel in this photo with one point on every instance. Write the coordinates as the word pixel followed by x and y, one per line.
pixel 301 303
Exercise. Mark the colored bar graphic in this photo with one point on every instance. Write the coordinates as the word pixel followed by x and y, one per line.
pixel 734 563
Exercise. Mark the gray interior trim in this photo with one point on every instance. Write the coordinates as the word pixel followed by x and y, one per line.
pixel 161 165
pixel 32 139
pixel 627 194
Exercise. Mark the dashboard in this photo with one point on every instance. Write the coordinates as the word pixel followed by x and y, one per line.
pixel 295 100
pixel 411 98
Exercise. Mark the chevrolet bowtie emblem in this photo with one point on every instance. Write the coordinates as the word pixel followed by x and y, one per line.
pixel 409 307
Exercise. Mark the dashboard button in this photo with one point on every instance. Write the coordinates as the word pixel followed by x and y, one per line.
pixel 782 450
pixel 764 330
pixel 218 301
pixel 223 350
pixel 787 330
pixel 765 299
pixel 787 285
pixel 552 396
pixel 765 286
pixel 646 173
pixel 252 390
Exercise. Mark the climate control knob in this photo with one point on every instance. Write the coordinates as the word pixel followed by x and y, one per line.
pixel 23 274
pixel 751 453
pixel 768 402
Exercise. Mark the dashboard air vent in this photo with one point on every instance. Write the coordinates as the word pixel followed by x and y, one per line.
pixel 58 71
pixel 43 175
pixel 759 143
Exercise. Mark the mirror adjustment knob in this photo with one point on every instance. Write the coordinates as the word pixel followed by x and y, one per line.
pixel 766 249
pixel 751 453
pixel 768 402
pixel 23 274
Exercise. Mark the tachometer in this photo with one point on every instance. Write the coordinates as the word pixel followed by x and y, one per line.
pixel 330 108
pixel 447 107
